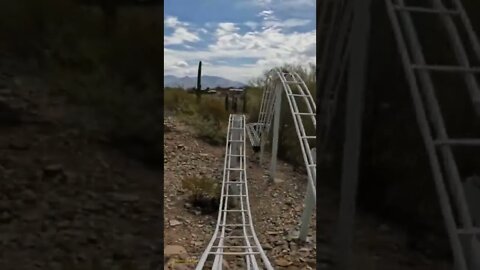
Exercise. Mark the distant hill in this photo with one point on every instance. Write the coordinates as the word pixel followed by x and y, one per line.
pixel 207 81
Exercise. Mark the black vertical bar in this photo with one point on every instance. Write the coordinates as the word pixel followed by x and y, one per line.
pixel 235 108
pixel 159 260
pixel 245 100
pixel 226 102
pixel 353 132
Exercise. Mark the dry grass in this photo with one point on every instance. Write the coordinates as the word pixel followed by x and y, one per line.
pixel 208 118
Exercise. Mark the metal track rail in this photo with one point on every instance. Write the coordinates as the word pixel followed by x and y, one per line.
pixel 331 79
pixel 462 232
pixel 256 130
pixel 298 93
pixel 303 110
pixel 234 235
pixel 296 89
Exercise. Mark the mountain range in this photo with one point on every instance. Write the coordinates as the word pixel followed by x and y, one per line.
pixel 191 82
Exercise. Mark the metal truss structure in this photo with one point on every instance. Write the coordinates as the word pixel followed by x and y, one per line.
pixel 346 22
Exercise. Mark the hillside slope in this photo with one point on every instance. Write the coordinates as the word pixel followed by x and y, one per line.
pixel 276 210
pixel 68 200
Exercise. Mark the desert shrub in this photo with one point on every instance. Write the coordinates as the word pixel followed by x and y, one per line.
pixel 254 99
pixel 208 118
pixel 203 192
pixel 212 108
pixel 210 131
pixel 178 100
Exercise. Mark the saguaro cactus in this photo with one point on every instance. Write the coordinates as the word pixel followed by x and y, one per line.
pixel 244 109
pixel 199 81
pixel 226 102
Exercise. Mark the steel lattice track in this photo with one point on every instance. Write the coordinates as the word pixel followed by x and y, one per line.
pixel 234 234
pixel 297 93
pixel 295 88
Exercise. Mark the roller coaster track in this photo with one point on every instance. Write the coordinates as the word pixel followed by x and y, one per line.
pixel 234 230
pixel 348 22
pixel 234 233
pixel 297 94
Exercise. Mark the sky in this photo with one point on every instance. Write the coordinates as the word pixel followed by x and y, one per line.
pixel 237 39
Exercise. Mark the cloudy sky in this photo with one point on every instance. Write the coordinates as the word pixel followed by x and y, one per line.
pixel 237 39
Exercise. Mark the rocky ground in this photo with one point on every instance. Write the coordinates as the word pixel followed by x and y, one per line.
pixel 68 201
pixel 276 210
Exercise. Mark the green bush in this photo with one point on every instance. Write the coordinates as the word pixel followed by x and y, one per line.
pixel 179 101
pixel 212 108
pixel 208 118
pixel 210 131
pixel 203 193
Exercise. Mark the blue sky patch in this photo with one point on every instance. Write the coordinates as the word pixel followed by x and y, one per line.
pixel 238 39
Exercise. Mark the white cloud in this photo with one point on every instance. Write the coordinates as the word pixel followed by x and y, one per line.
pixel 270 47
pixel 266 47
pixel 176 66
pixel 311 50
pixel 226 28
pixel 252 25
pixel 265 13
pixel 264 2
pixel 182 64
pixel 170 21
pixel 270 20
pixel 180 34
pixel 278 4
pixel 289 23
pixel 297 3
pixel 209 24
pixel 173 22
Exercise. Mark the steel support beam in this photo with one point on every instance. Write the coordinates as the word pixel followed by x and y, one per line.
pixel 276 128
pixel 309 206
pixel 353 129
